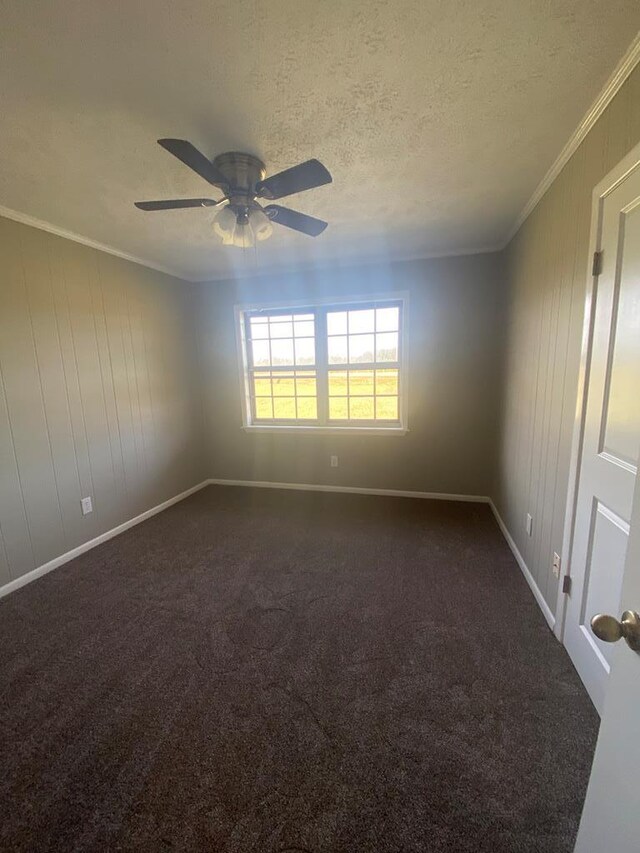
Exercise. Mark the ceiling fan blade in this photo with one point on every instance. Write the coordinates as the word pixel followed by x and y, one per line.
pixel 175 203
pixel 306 176
pixel 191 157
pixel 298 221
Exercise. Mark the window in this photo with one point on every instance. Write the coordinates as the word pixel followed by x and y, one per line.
pixel 335 366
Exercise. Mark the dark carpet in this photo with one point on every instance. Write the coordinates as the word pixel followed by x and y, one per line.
pixel 268 671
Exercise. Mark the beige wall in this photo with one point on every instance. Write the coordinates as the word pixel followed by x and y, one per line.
pixel 98 394
pixel 455 332
pixel 547 266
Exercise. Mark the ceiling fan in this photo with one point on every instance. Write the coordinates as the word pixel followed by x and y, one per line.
pixel 241 220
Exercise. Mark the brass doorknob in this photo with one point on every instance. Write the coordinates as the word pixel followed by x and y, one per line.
pixel 608 628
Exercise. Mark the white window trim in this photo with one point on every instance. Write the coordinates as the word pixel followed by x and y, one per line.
pixel 351 429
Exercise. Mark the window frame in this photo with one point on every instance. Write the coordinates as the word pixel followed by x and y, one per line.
pixel 320 308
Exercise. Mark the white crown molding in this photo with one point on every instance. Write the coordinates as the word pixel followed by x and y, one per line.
pixel 611 88
pixel 342 264
pixel 25 219
pixel 42 225
pixel 613 85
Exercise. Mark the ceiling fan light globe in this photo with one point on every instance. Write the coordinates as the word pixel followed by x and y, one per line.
pixel 224 225
pixel 260 224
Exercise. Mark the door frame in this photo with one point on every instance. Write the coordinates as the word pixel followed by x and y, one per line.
pixel 602 189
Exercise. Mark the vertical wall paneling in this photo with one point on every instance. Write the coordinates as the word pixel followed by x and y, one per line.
pixel 546 270
pixel 97 394
pixel 37 275
pixel 25 403
pixel 16 536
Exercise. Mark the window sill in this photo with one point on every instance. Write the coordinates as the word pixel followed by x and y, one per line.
pixel 324 430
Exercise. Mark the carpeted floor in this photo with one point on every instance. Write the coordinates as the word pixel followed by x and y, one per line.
pixel 268 671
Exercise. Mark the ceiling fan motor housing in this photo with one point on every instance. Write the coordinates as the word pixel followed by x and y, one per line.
pixel 242 171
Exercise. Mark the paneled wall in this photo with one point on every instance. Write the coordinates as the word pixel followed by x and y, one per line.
pixel 547 265
pixel 98 394
pixel 456 320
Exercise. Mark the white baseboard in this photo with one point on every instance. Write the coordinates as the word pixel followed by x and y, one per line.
pixel 87 546
pixel 439 496
pixel 304 487
pixel 546 610
pixel 352 490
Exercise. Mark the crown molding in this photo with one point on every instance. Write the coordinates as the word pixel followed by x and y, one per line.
pixel 331 265
pixel 42 225
pixel 611 88
pixel 25 219
pixel 613 85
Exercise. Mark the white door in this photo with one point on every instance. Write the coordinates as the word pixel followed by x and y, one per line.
pixel 611 816
pixel 611 432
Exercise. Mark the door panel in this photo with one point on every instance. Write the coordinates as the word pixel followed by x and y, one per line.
pixel 622 396
pixel 611 437
pixel 611 816
pixel 601 591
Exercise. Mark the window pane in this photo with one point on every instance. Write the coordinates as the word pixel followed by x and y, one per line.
pixel 305 387
pixel 386 381
pixel 307 408
pixel 361 321
pixel 281 330
pixel 338 383
pixel 284 407
pixel 338 408
pixel 360 382
pixel 361 408
pixel 304 329
pixel 264 408
pixel 338 350
pixel 387 319
pixel 282 352
pixel 259 328
pixel 387 408
pixel 305 351
pixel 283 386
pixel 356 336
pixel 337 323
pixel 262 385
pixel 260 352
pixel 361 348
pixel 387 346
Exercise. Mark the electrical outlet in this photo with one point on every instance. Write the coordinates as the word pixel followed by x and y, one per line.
pixel 334 461
pixel 86 505
pixel 557 563
pixel 529 524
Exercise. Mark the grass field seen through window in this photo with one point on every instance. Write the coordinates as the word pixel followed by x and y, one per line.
pixel 353 395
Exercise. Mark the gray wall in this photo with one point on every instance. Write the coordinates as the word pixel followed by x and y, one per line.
pixel 455 339
pixel 98 394
pixel 547 266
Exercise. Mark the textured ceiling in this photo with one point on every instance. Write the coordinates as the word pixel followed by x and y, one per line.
pixel 436 119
